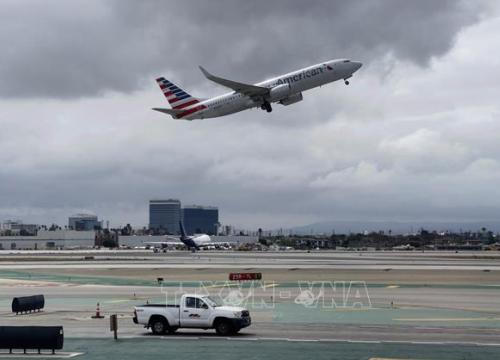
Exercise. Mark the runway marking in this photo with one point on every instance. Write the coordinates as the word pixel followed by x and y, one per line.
pixel 302 340
pixel 364 341
pixel 428 328
pixel 377 358
pixel 449 319
pixel 392 286
pixel 350 309
pixel 375 327
pixel 217 338
pixel 60 355
pixel 270 285
pixel 220 285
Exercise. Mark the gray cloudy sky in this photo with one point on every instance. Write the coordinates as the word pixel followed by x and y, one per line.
pixel 414 137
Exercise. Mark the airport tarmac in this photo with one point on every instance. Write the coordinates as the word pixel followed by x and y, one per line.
pixel 194 348
pixel 458 304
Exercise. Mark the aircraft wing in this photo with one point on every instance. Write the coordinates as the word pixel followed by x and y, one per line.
pixel 164 243
pixel 245 89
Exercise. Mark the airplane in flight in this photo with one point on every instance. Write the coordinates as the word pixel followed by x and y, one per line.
pixel 195 242
pixel 285 89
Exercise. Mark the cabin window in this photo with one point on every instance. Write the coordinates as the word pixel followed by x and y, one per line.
pixel 197 303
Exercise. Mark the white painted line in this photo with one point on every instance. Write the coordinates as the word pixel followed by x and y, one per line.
pixel 333 340
pixel 365 341
pixel 302 340
pixel 427 328
pixel 379 358
pixel 44 355
pixel 182 337
pixel 374 326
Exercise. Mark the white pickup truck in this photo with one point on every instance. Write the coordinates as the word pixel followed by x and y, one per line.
pixel 194 311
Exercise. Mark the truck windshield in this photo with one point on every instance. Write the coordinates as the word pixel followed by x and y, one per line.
pixel 211 302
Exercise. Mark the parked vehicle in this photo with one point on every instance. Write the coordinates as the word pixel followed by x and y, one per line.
pixel 194 311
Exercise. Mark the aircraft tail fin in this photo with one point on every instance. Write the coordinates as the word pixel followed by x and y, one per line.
pixel 177 98
pixel 188 241
pixel 183 231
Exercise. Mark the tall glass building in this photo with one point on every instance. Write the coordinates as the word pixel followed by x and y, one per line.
pixel 165 215
pixel 200 219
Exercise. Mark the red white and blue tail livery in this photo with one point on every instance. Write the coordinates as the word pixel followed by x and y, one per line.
pixel 177 97
pixel 285 89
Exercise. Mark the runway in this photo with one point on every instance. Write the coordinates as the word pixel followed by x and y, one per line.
pixel 267 348
pixel 145 259
pixel 457 305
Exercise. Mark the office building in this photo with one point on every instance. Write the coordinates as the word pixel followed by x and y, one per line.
pixel 200 219
pixel 84 222
pixel 165 215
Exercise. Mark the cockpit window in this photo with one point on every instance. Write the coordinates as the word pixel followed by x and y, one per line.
pixel 347 61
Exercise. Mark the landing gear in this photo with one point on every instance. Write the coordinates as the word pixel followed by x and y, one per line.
pixel 346 82
pixel 266 106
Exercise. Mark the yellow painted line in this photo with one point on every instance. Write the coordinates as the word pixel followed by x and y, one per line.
pixel 270 285
pixel 212 286
pixel 392 287
pixel 450 319
pixel 220 285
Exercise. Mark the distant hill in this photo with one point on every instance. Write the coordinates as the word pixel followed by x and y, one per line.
pixel 345 227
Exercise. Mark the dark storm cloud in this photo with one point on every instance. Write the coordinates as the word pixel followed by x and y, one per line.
pixel 59 49
pixel 419 142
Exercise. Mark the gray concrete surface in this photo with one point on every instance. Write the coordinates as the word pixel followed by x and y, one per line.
pixel 427 305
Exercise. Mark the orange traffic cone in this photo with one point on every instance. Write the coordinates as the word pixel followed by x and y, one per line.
pixel 97 313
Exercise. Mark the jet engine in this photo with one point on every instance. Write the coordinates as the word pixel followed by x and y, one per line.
pixel 279 92
pixel 292 99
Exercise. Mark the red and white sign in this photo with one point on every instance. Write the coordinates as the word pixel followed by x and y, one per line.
pixel 245 276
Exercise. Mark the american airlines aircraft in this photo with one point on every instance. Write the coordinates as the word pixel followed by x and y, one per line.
pixel 286 90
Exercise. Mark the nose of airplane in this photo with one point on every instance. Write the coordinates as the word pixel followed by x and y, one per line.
pixel 356 65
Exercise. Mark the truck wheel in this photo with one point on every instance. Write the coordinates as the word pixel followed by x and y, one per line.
pixel 172 330
pixel 159 326
pixel 224 328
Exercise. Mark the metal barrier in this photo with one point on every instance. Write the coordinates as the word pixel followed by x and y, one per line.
pixel 28 303
pixel 31 337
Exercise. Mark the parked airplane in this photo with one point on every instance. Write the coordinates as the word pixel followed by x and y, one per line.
pixel 195 242
pixel 286 90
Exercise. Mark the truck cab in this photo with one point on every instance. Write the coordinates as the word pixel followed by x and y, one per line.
pixel 194 311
